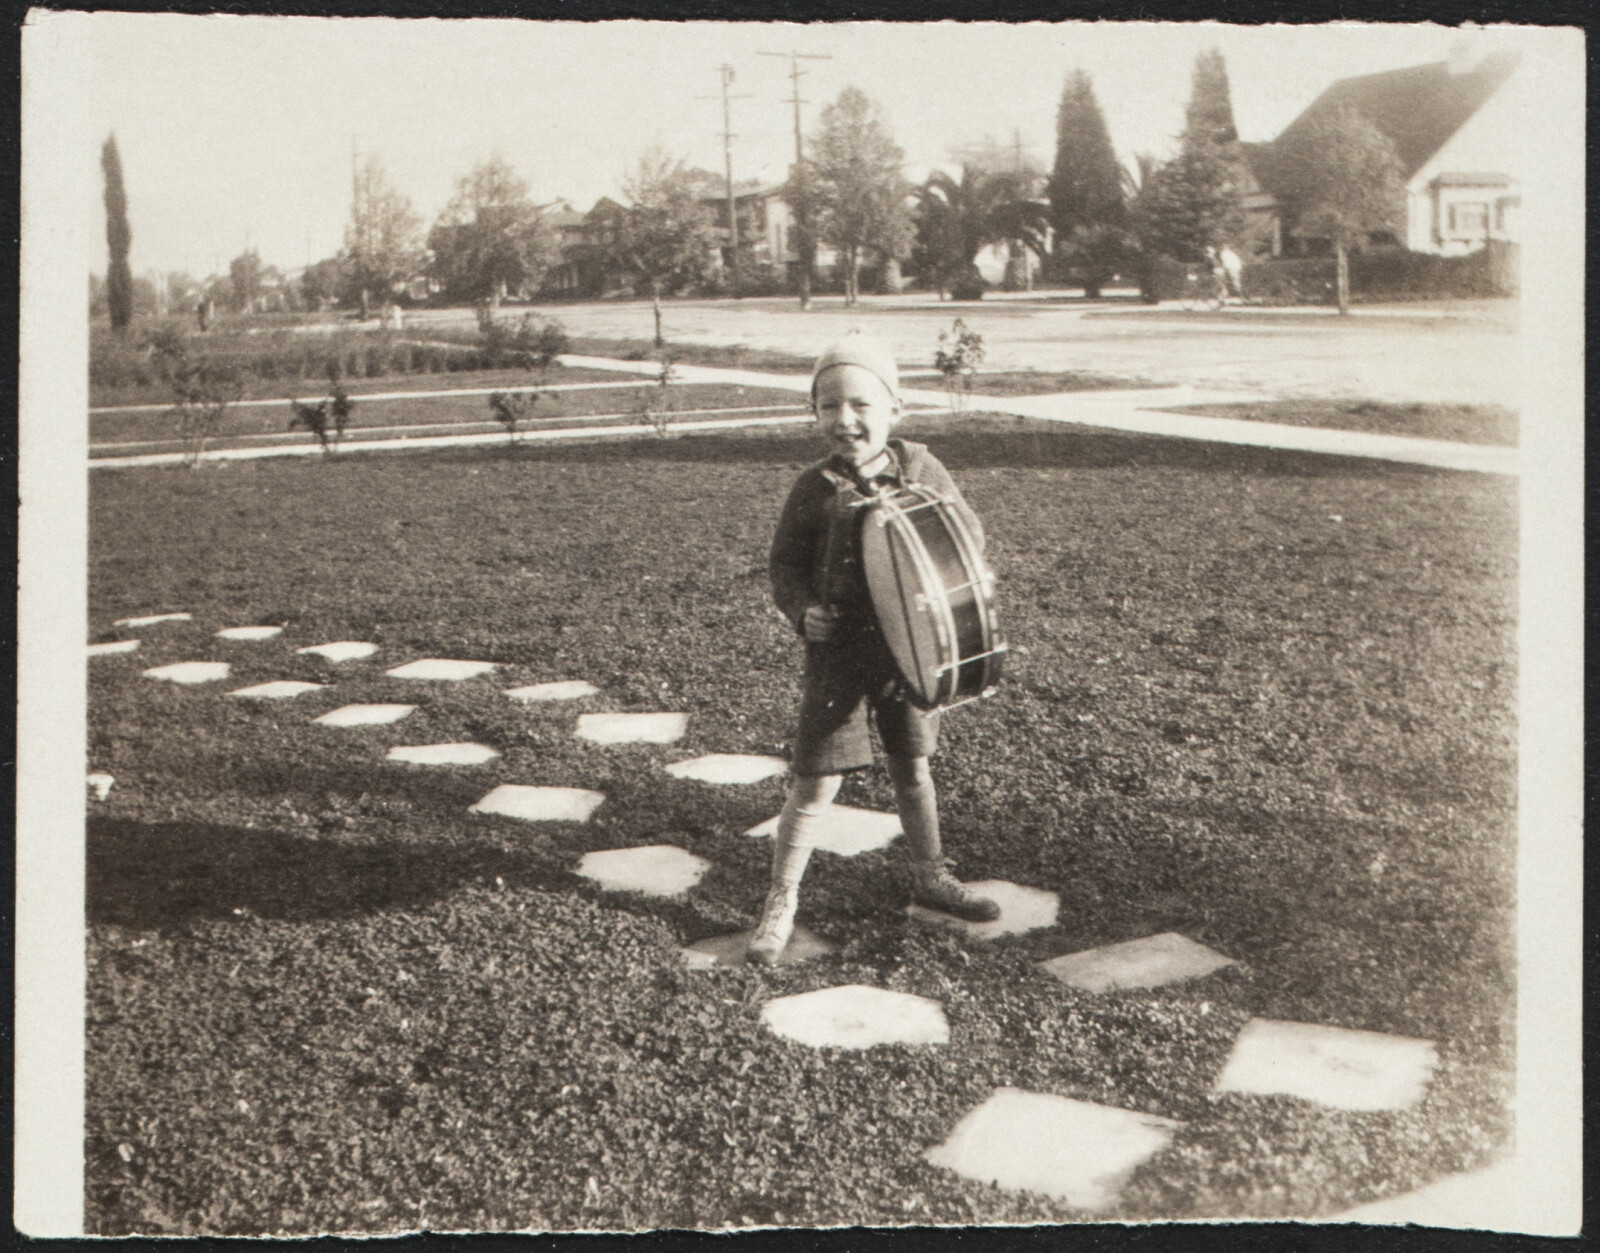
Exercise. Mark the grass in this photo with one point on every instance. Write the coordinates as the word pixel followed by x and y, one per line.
pixel 1264 699
pixel 1468 424
pixel 626 397
pixel 1040 382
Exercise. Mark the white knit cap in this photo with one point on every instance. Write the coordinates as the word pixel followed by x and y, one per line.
pixel 856 347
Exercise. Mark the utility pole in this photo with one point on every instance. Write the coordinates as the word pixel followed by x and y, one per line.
pixel 725 71
pixel 804 245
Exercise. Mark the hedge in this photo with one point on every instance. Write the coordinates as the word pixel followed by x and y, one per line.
pixel 1390 275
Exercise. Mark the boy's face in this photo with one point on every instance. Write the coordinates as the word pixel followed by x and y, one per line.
pixel 855 412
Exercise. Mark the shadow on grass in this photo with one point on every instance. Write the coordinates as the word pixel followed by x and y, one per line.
pixel 982 443
pixel 149 876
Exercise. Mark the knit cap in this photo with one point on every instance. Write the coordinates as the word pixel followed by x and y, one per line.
pixel 856 347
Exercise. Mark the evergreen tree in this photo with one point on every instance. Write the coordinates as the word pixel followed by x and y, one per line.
pixel 1087 208
pixel 1196 200
pixel 119 239
pixel 1210 111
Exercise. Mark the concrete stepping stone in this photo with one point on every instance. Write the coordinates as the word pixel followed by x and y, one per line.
pixel 455 754
pixel 100 784
pixel 655 870
pixel 364 715
pixel 341 650
pixel 856 1017
pixel 278 689
pixel 632 728
pixel 1362 1070
pixel 116 646
pixel 728 768
pixel 439 670
pixel 540 804
pixel 1151 962
pixel 153 619
pixel 1479 1200
pixel 846 831
pixel 1076 1151
pixel 731 950
pixel 1022 909
pixel 190 672
pixel 566 689
pixel 249 633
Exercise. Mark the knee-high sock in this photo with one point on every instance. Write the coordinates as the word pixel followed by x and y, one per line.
pixel 918 806
pixel 796 836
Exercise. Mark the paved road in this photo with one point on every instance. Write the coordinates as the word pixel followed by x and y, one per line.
pixel 1395 354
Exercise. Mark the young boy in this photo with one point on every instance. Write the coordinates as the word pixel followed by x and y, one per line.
pixel 818 584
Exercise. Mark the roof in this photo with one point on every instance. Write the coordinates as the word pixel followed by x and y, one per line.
pixel 1419 107
pixel 1472 180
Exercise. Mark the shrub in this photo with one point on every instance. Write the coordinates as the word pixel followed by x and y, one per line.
pixel 1162 278
pixel 1291 281
pixel 533 342
pixel 1391 274
pixel 958 357
pixel 510 408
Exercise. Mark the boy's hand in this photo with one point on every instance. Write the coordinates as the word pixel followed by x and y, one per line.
pixel 818 622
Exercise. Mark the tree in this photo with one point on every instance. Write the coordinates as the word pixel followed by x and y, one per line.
pixel 666 235
pixel 382 243
pixel 860 193
pixel 1088 207
pixel 322 282
pixel 1210 110
pixel 958 218
pixel 119 239
pixel 1196 200
pixel 245 273
pixel 491 238
pixel 1342 180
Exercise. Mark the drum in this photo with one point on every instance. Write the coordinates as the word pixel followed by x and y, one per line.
pixel 933 595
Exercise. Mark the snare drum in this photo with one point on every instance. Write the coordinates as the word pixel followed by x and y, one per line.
pixel 933 595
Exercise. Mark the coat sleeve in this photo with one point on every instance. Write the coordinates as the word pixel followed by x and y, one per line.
pixel 793 556
pixel 930 472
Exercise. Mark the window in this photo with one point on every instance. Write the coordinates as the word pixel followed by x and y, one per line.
pixel 1470 219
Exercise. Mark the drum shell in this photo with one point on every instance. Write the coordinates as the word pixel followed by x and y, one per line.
pixel 933 595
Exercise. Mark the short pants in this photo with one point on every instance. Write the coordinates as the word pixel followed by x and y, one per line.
pixel 842 681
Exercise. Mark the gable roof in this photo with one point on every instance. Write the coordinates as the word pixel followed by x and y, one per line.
pixel 1419 108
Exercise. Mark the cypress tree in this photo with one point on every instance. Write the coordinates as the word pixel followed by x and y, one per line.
pixel 1210 111
pixel 119 238
pixel 1087 208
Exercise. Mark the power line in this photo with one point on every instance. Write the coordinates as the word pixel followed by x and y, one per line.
pixel 801 223
pixel 725 72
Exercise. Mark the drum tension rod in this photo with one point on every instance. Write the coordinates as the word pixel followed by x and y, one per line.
pixel 956 665
pixel 983 695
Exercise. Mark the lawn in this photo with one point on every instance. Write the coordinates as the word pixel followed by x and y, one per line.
pixel 623 399
pixel 1262 699
pixel 1468 424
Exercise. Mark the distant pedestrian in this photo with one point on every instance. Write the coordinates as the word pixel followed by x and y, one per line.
pixel 1232 270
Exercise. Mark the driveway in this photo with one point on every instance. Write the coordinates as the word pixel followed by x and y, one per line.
pixel 1400 353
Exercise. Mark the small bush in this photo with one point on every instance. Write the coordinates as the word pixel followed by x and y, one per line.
pixel 958 357
pixel 1162 278
pixel 533 343
pixel 1291 281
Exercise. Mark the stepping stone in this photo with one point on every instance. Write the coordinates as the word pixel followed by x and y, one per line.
pixel 567 689
pixel 1078 1152
pixel 728 768
pixel 278 689
pixel 730 950
pixel 101 784
pixel 153 619
pixel 1022 909
pixel 1152 962
pixel 249 633
pixel 341 650
pixel 540 804
pixel 116 646
pixel 364 715
pixel 441 671
pixel 657 870
pixel 856 1017
pixel 846 831
pixel 458 754
pixel 1334 1066
pixel 632 728
pixel 190 672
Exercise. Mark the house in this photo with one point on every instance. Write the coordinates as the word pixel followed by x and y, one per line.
pixel 1454 125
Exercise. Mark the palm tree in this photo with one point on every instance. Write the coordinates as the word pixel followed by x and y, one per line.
pixel 958 218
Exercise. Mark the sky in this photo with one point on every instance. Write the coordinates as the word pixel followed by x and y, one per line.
pixel 238 132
